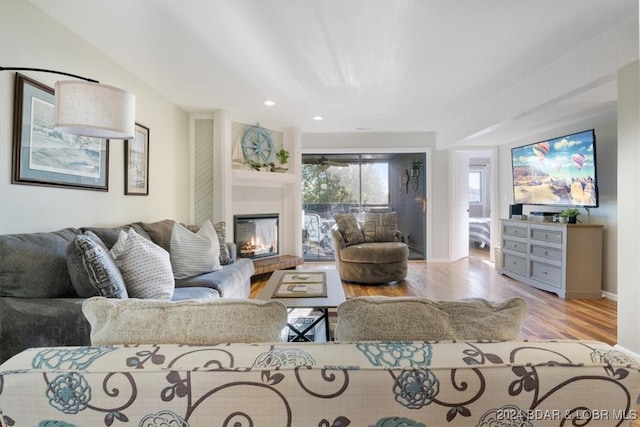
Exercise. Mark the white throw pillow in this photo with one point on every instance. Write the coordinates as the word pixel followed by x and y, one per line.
pixel 145 267
pixel 191 322
pixel 193 254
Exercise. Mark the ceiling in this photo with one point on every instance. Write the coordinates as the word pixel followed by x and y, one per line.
pixel 372 66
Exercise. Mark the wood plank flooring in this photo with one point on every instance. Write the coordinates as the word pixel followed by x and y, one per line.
pixel 549 316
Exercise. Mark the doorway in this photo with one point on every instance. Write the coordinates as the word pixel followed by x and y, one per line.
pixel 476 234
pixel 361 183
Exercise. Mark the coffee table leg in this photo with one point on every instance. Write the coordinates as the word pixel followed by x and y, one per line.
pixel 323 317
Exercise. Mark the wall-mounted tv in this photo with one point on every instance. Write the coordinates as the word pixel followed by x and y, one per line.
pixel 557 172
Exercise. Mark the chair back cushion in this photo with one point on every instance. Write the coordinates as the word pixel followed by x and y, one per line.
pixel 409 318
pixel 134 321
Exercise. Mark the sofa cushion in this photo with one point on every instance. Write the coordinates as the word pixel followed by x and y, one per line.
pixel 348 227
pixel 145 267
pixel 159 232
pixel 380 227
pixel 375 253
pixel 133 321
pixel 181 294
pixel 41 322
pixel 194 253
pixel 110 235
pixel 233 281
pixel 408 318
pixel 92 270
pixel 34 265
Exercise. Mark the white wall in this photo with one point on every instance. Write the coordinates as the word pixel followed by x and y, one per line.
pixel 606 214
pixel 30 38
pixel 629 206
pixel 437 170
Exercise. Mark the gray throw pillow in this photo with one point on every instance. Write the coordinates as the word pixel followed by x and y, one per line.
pixel 381 227
pixel 420 319
pixel 348 227
pixel 193 322
pixel 92 270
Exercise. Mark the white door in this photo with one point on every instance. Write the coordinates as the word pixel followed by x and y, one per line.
pixel 460 206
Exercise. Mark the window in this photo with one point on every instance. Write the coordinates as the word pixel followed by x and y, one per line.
pixel 475 187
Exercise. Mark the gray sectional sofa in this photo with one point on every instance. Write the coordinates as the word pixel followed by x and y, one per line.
pixel 39 305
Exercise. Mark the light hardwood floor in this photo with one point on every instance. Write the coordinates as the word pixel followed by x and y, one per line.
pixel 549 316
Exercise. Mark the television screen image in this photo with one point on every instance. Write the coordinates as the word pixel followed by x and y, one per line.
pixel 557 172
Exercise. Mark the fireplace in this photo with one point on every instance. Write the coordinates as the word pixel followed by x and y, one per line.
pixel 256 235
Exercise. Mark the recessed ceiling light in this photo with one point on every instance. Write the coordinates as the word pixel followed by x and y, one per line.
pixel 269 103
pixel 317 118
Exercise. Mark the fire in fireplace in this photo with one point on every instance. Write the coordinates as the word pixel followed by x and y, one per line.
pixel 256 235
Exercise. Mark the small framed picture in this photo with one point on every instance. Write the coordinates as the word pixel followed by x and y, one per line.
pixel 45 156
pixel 136 163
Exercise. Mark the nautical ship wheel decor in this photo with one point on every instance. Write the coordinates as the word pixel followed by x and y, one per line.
pixel 257 146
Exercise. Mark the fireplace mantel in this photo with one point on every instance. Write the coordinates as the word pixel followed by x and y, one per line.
pixel 262 179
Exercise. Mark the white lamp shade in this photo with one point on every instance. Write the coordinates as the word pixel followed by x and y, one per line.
pixel 94 110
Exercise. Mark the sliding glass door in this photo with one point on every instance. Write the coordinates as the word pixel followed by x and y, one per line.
pixel 360 183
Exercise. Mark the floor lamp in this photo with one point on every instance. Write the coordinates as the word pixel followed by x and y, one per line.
pixel 86 107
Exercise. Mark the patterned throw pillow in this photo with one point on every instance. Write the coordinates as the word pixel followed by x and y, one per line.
pixel 221 230
pixel 380 227
pixel 193 254
pixel 92 270
pixel 145 267
pixel 348 227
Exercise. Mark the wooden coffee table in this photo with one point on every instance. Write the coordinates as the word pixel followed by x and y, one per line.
pixel 334 297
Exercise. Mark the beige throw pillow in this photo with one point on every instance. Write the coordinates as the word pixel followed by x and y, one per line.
pixel 420 319
pixel 192 322
pixel 192 253
pixel 381 227
pixel 145 267
pixel 348 227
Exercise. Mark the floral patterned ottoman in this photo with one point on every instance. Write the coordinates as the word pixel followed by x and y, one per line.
pixel 381 384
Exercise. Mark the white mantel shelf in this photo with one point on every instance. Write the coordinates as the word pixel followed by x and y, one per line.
pixel 262 179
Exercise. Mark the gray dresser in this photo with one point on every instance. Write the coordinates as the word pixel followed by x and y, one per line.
pixel 565 259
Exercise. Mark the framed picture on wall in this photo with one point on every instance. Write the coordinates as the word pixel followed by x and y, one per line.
pixel 45 156
pixel 136 163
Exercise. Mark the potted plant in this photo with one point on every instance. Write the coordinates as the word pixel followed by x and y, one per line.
pixel 283 156
pixel 571 214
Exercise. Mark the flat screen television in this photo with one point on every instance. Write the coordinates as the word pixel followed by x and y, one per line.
pixel 558 172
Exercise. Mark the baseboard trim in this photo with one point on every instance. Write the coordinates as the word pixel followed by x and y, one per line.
pixel 609 295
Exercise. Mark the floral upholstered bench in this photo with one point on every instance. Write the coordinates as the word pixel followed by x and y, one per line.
pixel 412 383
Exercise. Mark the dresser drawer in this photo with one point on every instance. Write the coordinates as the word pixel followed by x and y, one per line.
pixel 546 235
pixel 515 245
pixel 514 263
pixel 514 230
pixel 546 273
pixel 546 252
